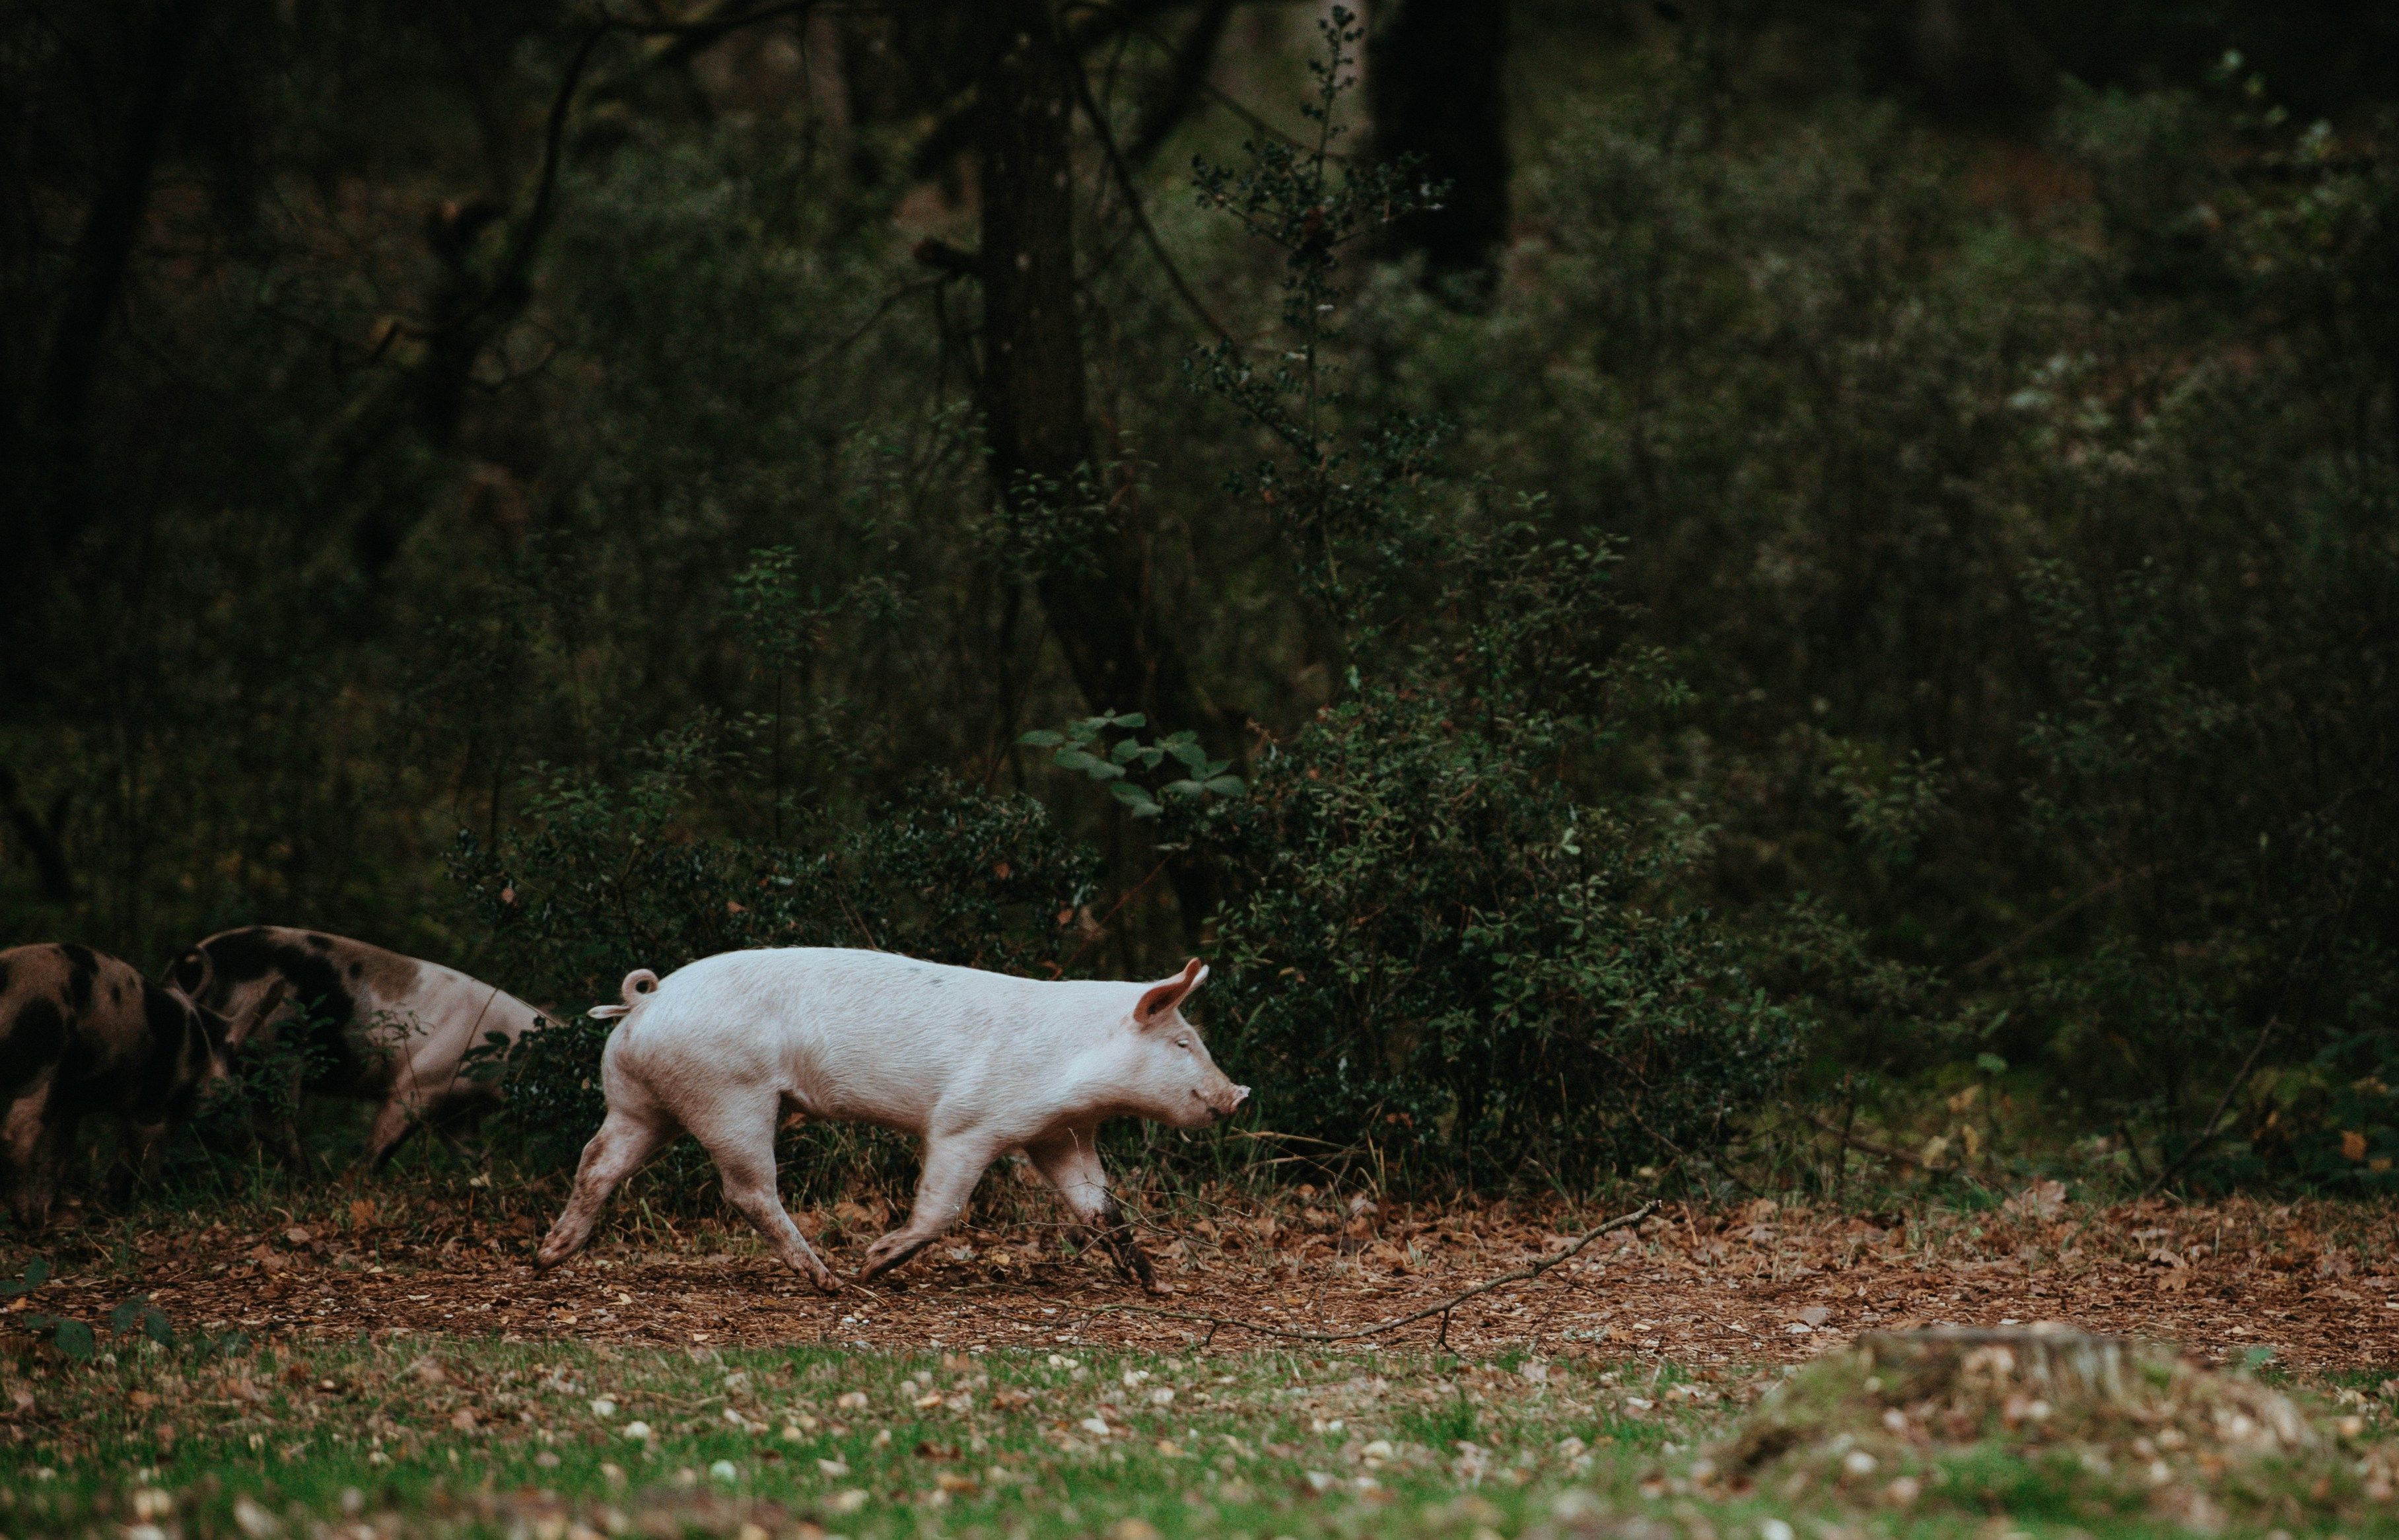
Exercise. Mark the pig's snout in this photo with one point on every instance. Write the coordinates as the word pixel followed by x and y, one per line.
pixel 1224 1100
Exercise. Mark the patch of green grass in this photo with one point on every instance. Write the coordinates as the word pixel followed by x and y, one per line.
pixel 470 1436
pixel 1443 1425
pixel 564 1441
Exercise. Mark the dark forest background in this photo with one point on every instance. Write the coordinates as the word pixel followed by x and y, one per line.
pixel 1658 587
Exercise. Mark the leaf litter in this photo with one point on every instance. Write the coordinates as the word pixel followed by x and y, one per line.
pixel 2316 1284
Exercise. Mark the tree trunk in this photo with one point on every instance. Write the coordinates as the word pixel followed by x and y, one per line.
pixel 1435 83
pixel 1033 395
pixel 1033 390
pixel 47 437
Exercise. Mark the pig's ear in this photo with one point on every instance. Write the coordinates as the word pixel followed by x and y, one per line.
pixel 1159 1001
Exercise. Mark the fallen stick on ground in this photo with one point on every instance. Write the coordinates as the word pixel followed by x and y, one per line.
pixel 1865 1146
pixel 1443 1309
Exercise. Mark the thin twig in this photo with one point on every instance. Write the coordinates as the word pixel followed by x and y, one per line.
pixel 1100 930
pixel 1860 1142
pixel 1443 1308
pixel 526 239
pixel 709 31
pixel 1217 94
pixel 2208 1129
pixel 2052 920
pixel 1123 173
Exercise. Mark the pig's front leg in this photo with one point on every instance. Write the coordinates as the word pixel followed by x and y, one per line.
pixel 1070 1159
pixel 953 1163
pixel 39 1138
pixel 137 1161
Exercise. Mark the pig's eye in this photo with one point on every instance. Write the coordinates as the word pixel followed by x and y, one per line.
pixel 1183 1043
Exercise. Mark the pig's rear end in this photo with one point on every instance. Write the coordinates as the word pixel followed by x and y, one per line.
pixel 827 1033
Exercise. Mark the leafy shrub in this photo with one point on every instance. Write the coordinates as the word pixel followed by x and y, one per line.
pixel 1442 946
pixel 1439 952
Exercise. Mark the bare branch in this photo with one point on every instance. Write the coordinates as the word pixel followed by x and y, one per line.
pixel 1123 173
pixel 1186 79
pixel 1863 1144
pixel 2208 1130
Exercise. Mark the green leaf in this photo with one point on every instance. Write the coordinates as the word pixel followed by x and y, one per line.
pixel 37 1272
pixel 1041 737
pixel 1990 1063
pixel 1181 787
pixel 1076 759
pixel 1188 751
pixel 1226 786
pixel 127 1314
pixel 1131 719
pixel 1125 750
pixel 157 1328
pixel 73 1338
pixel 1103 770
pixel 1134 797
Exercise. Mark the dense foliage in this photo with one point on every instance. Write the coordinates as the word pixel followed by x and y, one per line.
pixel 1880 588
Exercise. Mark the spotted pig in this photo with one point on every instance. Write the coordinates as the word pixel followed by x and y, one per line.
pixel 85 1035
pixel 380 1027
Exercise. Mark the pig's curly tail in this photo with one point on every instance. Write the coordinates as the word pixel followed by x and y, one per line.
pixel 638 982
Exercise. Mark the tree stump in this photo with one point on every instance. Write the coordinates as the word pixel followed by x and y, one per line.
pixel 2058 1364
pixel 1895 1397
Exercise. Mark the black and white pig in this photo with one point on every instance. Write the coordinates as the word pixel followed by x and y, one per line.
pixel 85 1035
pixel 382 1027
pixel 975 1064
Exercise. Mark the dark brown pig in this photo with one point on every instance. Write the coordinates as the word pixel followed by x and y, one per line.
pixel 85 1035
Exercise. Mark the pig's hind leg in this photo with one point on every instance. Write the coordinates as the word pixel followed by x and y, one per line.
pixel 395 1121
pixel 740 1138
pixel 616 1152
pixel 1071 1161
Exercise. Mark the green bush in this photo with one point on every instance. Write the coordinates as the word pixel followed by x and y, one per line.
pixel 1438 954
pixel 1448 943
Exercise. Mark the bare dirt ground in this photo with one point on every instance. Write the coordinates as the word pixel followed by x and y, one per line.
pixel 2317 1283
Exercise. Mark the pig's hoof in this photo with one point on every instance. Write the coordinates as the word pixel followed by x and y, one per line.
pixel 885 1255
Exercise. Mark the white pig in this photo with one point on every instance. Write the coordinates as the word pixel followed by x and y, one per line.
pixel 975 1064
